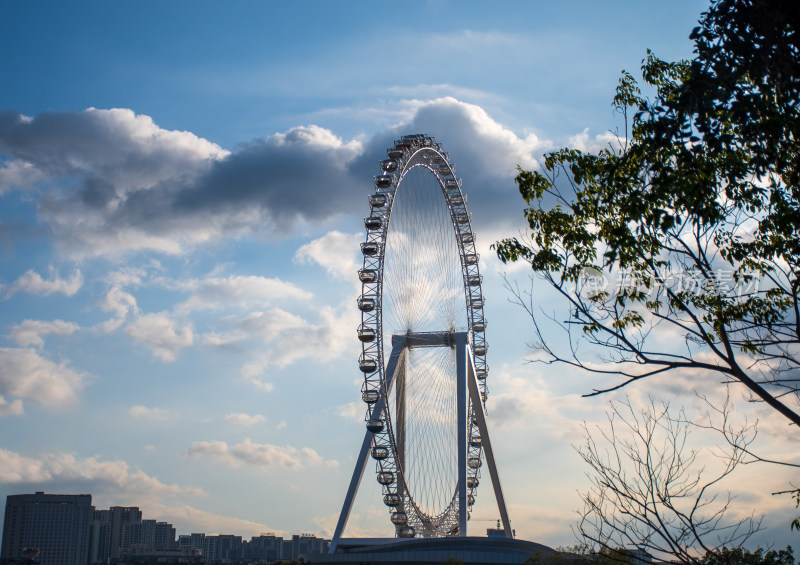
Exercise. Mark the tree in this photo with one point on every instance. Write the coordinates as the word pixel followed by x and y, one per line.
pixel 650 492
pixel 690 222
pixel 796 522
pixel 741 556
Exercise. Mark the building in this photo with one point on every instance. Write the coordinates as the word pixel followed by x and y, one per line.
pixel 185 541
pixel 434 551
pixel 223 547
pixel 59 525
pixel 100 538
pixel 140 534
pixel 307 545
pixel 192 541
pixel 121 516
pixel 119 530
pixel 165 536
pixel 266 547
pixel 68 530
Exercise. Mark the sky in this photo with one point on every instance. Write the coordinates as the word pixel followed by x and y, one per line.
pixel 183 186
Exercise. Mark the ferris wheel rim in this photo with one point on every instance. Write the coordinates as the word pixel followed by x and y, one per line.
pixel 407 154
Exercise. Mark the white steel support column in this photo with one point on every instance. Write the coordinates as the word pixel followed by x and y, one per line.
pixel 486 443
pixel 400 430
pixel 461 398
pixel 466 389
pixel 361 462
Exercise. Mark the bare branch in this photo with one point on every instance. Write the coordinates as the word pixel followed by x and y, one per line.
pixel 649 492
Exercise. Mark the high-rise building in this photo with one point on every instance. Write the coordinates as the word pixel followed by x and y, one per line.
pixel 165 536
pixel 140 534
pixel 121 516
pixel 223 547
pixel 192 541
pixel 266 547
pixel 308 544
pixel 197 540
pixel 210 544
pixel 100 539
pixel 58 525
pixel 120 529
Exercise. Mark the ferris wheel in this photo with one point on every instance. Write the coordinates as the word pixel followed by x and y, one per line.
pixel 423 347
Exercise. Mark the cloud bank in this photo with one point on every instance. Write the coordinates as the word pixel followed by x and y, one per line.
pixel 91 473
pixel 24 373
pixel 113 483
pixel 262 455
pixel 32 282
pixel 242 419
pixel 33 332
pixel 109 182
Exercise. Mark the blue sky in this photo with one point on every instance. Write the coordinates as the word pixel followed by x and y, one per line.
pixel 182 189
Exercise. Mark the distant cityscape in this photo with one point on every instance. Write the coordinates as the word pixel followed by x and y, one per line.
pixel 65 529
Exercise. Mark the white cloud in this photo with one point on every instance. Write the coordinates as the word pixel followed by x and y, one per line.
pixel 472 137
pixel 144 413
pixel 24 373
pixel 33 283
pixel 222 341
pixel 335 251
pixel 102 476
pixel 291 338
pixel 236 291
pixel 120 303
pixel 169 191
pixel 485 152
pixel 272 324
pixel 521 399
pixel 116 146
pixel 606 140
pixel 320 138
pixel 116 483
pixel 32 332
pixel 197 520
pixel 116 157
pixel 370 523
pixel 243 419
pixel 257 382
pixel 262 455
pixel 18 175
pixel 353 411
pixel 161 334
pixel 135 186
pixel 13 408
pixel 128 276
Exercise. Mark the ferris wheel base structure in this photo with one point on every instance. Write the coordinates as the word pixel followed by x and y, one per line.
pixel 467 390
pixel 433 551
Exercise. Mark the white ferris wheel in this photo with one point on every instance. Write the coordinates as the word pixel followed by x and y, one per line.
pixel 423 348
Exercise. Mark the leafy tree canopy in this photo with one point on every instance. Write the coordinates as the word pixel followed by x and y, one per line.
pixel 691 221
pixel 740 556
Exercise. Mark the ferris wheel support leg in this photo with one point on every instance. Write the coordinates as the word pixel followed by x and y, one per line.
pixel 475 394
pixel 400 429
pixel 462 364
pixel 361 462
pixel 355 481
